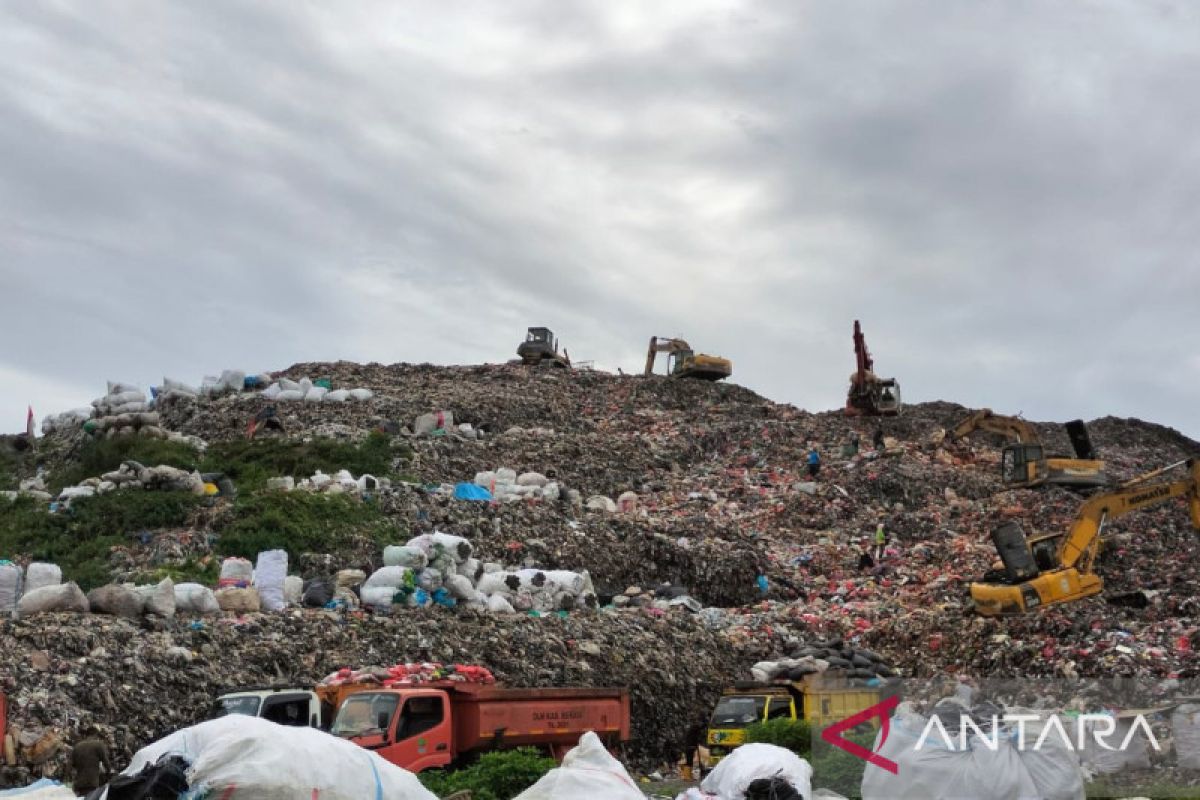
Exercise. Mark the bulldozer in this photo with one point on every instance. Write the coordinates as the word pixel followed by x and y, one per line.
pixel 870 395
pixel 540 348
pixel 683 362
pixel 1058 568
pixel 1024 463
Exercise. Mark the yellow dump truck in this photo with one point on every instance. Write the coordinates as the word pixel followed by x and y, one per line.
pixel 819 699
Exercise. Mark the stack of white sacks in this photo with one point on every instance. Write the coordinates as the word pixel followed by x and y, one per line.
pixel 132 475
pixel 40 590
pixel 440 568
pixel 304 389
pixel 507 486
pixel 125 409
pixel 341 482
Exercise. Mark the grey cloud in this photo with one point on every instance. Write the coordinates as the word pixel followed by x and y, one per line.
pixel 1004 193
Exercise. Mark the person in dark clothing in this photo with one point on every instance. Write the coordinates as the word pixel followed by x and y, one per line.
pixel 865 562
pixel 89 760
pixel 877 439
pixel 814 463
pixel 692 741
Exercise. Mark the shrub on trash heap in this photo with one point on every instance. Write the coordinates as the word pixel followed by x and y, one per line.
pixel 98 456
pixel 790 734
pixel 299 522
pixel 835 769
pixel 496 776
pixel 79 539
pixel 250 462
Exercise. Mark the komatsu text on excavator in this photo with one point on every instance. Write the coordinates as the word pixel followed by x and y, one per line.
pixel 1025 463
pixel 1058 568
pixel 683 362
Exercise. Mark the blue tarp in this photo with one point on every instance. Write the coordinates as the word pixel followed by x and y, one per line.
pixel 469 491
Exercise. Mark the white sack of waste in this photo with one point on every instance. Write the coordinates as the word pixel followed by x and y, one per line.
pixel 293 590
pixel 269 574
pixel 289 395
pixel 588 772
pixel 497 604
pixel 192 598
pixel 730 778
pixel 378 596
pixel 316 394
pixel 11 579
pixel 159 598
pixel 64 597
pixel 571 583
pixel 361 394
pixel 940 770
pixel 251 757
pixel 406 556
pixel 391 577
pixel 337 396
pixel 39 575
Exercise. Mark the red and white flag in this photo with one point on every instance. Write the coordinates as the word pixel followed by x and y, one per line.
pixel 29 423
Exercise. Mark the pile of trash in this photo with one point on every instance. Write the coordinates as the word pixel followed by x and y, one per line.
pixel 58 669
pixel 410 675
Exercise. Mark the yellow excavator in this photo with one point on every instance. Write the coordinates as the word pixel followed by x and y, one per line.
pixel 1025 463
pixel 1058 568
pixel 683 362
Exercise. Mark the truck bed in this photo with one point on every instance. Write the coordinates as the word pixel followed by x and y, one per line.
pixel 485 715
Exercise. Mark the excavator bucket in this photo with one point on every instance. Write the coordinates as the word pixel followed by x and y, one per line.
pixel 1081 440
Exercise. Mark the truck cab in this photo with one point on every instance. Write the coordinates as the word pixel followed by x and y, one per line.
pixel 283 705
pixel 819 699
pixel 412 728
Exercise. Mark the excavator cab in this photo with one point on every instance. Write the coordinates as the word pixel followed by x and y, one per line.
pixel 889 397
pixel 1020 464
pixel 677 361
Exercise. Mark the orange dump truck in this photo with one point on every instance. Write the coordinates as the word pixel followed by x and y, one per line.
pixel 432 725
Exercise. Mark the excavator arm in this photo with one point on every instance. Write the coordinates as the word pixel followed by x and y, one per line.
pixel 1079 545
pixel 1072 578
pixel 985 420
pixel 662 345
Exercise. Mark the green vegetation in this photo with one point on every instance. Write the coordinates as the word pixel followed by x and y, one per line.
pixel 250 462
pixel 792 734
pixel 300 522
pixel 496 776
pixel 193 570
pixel 79 539
pixel 98 456
pixel 1130 787
pixel 10 468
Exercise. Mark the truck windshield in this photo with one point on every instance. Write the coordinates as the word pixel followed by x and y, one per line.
pixel 360 714
pixel 239 704
pixel 737 712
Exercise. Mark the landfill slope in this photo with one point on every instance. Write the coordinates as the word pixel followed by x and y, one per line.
pixel 722 496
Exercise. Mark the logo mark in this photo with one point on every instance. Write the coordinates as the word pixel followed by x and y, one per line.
pixel 833 734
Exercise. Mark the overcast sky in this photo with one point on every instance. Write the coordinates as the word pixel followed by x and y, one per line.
pixel 1007 194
